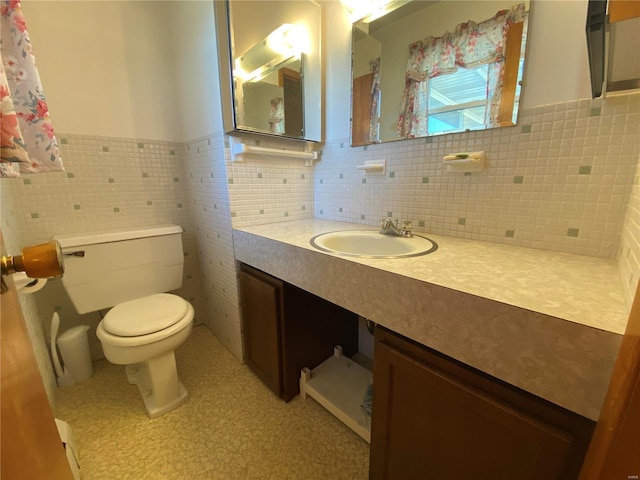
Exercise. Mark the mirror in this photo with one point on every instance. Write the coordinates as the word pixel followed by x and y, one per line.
pixel 426 69
pixel 269 57
pixel 610 41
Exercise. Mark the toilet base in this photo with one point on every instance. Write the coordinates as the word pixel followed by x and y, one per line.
pixel 158 383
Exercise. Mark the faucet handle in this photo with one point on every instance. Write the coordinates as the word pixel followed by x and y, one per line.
pixel 407 224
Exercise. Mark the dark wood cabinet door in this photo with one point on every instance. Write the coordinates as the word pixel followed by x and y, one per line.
pixel 286 329
pixel 435 419
pixel 261 303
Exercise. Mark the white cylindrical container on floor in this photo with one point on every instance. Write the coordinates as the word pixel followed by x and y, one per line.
pixel 74 348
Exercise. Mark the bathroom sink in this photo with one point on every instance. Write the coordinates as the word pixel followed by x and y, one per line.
pixel 372 244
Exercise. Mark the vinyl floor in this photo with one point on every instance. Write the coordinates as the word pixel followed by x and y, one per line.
pixel 231 428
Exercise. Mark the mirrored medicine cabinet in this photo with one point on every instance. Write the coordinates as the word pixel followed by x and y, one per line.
pixel 270 71
pixel 434 67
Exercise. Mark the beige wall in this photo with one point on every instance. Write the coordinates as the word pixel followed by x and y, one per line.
pixel 107 67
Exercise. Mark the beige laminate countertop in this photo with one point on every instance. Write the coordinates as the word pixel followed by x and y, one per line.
pixel 544 321
pixel 584 290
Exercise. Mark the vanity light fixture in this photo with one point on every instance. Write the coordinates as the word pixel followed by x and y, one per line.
pixel 289 40
pixel 369 10
pixel 284 45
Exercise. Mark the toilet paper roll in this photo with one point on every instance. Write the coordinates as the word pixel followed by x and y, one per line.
pixel 25 284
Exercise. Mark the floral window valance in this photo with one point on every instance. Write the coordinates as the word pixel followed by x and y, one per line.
pixel 28 143
pixel 470 45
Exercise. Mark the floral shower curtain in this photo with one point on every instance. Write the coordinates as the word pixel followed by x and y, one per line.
pixel 469 46
pixel 27 142
pixel 374 118
pixel 276 115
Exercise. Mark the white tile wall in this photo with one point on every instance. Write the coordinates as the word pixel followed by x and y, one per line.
pixel 223 195
pixel 39 341
pixel 108 183
pixel 210 210
pixel 629 255
pixel 266 189
pixel 559 180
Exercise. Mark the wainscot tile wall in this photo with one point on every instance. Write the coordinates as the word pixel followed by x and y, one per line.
pixel 211 212
pixel 560 180
pixel 223 195
pixel 108 183
pixel 267 189
pixel 629 257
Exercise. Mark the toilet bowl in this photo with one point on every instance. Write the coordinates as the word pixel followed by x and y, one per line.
pixel 129 271
pixel 147 346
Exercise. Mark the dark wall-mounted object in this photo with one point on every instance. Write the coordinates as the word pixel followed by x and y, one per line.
pixel 596 30
pixel 613 42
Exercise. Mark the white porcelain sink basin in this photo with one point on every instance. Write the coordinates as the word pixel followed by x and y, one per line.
pixel 372 244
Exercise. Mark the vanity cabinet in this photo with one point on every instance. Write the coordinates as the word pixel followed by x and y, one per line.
pixel 436 418
pixel 286 329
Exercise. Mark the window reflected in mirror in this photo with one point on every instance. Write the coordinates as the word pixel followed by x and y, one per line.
pixel 427 69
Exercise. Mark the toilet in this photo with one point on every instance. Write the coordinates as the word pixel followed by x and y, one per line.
pixel 129 271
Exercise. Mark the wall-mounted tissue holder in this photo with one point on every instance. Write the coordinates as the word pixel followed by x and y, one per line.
pixel 465 162
pixel 240 149
pixel 373 166
pixel 25 284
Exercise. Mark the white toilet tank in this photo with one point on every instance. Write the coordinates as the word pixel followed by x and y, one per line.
pixel 103 269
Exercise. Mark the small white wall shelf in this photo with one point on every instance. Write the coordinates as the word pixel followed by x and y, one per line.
pixel 465 162
pixel 339 385
pixel 373 166
pixel 239 150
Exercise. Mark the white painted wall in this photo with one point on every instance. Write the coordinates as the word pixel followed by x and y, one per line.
pixel 365 49
pixel 106 67
pixel 195 68
pixel 557 68
pixel 135 69
pixel 337 42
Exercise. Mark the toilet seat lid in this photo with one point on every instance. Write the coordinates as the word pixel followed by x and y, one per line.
pixel 146 315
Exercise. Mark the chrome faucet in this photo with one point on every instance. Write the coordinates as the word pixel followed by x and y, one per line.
pixel 390 227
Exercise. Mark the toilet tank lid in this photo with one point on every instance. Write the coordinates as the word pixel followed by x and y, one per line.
pixel 106 236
